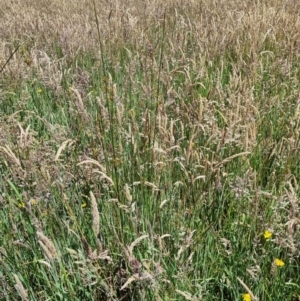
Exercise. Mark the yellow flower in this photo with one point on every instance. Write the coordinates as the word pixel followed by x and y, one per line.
pixel 246 297
pixel 21 205
pixel 268 234
pixel 83 205
pixel 279 262
pixel 39 90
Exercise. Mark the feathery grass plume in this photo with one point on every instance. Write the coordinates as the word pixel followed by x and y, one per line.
pixel 131 279
pixel 94 162
pixel 187 243
pixel 80 106
pixel 62 147
pixel 95 214
pixel 20 288
pixel 13 158
pixel 160 241
pixel 47 245
pixel 25 137
pixel 104 176
pixel 127 193
pixel 128 251
pixel 101 172
pixel 162 203
pixel 45 263
pixel 46 250
pixel 135 243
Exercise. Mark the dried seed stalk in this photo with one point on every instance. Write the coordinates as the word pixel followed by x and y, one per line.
pixel 95 214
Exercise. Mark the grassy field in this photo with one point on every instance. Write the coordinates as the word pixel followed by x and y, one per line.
pixel 150 150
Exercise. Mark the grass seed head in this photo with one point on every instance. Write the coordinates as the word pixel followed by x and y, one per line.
pixel 20 288
pixel 95 214
pixel 47 245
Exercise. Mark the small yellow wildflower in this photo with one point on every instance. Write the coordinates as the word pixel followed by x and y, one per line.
pixel 21 205
pixel 246 297
pixel 39 90
pixel 267 234
pixel 83 205
pixel 279 262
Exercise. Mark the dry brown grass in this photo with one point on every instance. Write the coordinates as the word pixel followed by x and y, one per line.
pixel 215 26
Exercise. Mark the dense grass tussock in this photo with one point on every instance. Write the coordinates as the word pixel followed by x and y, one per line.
pixel 150 150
